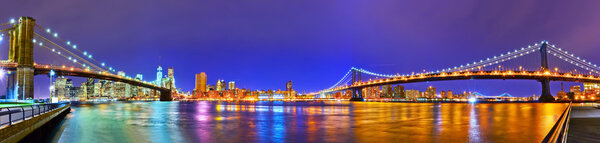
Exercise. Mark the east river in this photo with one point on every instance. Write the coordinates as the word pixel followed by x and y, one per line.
pixel 206 121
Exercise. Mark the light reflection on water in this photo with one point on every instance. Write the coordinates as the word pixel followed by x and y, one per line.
pixel 309 122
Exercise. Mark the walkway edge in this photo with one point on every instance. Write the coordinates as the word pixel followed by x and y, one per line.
pixel 16 132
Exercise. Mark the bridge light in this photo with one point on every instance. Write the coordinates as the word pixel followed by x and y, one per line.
pixel 55 34
pixel 12 20
pixel 84 53
pixel 74 60
pixel 102 64
pixel 68 42
pixel 58 52
pixel 74 46
pixel 90 56
pixel 41 44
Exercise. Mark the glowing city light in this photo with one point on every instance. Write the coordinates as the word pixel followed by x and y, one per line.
pixel 12 20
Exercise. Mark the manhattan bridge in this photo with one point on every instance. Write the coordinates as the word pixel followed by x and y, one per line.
pixel 503 66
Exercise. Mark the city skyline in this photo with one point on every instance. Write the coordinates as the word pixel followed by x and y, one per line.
pixel 312 48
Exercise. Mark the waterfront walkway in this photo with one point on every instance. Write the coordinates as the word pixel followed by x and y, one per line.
pixel 584 126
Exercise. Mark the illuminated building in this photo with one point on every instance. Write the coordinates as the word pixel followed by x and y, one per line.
pixel 576 89
pixel 89 85
pixel 97 89
pixel 387 91
pixel 231 85
pixel 170 80
pixel 562 94
pixel 430 92
pixel 412 94
pixel 202 85
pixel 171 76
pixel 74 92
pixel 443 94
pixel 121 73
pixel 159 75
pixel 83 91
pixel 121 89
pixel 591 88
pixel 288 86
pixel 449 94
pixel 399 92
pixel 223 85
pixel 62 87
pixel 139 76
pixel 218 86
pixel 197 84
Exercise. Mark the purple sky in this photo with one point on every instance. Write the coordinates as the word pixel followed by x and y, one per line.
pixel 263 44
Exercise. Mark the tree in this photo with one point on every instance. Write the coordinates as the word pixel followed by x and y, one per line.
pixel 571 95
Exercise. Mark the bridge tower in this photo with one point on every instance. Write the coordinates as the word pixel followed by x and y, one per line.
pixel 546 95
pixel 20 84
pixel 356 92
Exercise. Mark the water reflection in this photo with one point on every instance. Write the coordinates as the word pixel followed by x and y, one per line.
pixel 309 122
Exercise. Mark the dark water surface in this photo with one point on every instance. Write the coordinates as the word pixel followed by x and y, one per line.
pixel 308 122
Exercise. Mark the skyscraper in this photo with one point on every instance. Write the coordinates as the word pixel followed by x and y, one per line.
pixel 399 92
pixel 223 85
pixel 171 77
pixel 198 82
pixel 218 86
pixel 288 86
pixel 231 85
pixel 90 87
pixel 430 92
pixel 159 75
pixel 202 82
pixel 139 76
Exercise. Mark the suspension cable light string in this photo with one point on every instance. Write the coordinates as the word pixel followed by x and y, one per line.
pixel 574 60
pixel 344 77
pixel 74 46
pixel 496 59
pixel 580 60
pixel 570 59
pixel 69 52
pixel 483 63
pixel 6 30
pixel 7 23
pixel 492 61
pixel 63 55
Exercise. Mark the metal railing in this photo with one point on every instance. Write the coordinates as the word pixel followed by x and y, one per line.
pixel 560 130
pixel 15 114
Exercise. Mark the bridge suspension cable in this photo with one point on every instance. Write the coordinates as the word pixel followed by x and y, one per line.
pixel 69 52
pixel 471 66
pixel 344 79
pixel 571 58
pixel 74 47
pixel 7 23
pixel 494 60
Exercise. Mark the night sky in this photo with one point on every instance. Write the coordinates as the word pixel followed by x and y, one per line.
pixel 263 44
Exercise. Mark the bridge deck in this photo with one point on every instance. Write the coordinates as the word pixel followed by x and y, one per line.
pixel 585 124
